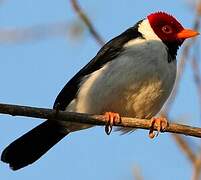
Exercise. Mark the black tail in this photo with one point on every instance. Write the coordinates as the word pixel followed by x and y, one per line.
pixel 32 145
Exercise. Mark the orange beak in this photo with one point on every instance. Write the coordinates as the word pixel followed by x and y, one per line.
pixel 187 33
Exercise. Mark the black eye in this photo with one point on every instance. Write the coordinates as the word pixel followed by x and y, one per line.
pixel 167 29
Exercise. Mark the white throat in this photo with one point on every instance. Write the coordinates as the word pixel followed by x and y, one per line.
pixel 147 31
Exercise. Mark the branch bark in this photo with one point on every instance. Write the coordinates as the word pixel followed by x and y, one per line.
pixel 51 114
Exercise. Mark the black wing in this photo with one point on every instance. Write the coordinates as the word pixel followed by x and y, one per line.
pixel 107 53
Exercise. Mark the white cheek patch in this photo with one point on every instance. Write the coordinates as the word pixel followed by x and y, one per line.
pixel 147 31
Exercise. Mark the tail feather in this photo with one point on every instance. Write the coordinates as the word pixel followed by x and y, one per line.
pixel 32 145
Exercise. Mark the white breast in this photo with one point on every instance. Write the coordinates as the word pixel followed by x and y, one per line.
pixel 135 84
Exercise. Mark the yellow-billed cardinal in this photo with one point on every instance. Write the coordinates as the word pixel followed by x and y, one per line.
pixel 132 75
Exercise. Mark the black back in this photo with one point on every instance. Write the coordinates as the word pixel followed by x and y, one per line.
pixel 107 53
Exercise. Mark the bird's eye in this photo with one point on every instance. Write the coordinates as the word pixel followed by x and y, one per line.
pixel 167 29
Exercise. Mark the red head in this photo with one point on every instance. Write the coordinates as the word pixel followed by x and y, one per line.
pixel 168 29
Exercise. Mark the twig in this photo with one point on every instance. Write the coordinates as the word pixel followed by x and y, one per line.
pixel 16 110
pixel 197 81
pixel 38 32
pixel 197 167
pixel 185 147
pixel 137 173
pixel 196 76
pixel 87 22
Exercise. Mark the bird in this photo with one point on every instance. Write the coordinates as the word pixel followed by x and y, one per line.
pixel 132 75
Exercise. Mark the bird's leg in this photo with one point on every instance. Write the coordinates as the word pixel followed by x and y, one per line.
pixel 111 118
pixel 160 122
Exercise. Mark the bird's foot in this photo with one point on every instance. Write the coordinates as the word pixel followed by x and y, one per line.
pixel 111 118
pixel 160 123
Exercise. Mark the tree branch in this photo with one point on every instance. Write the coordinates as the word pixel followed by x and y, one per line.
pixel 197 167
pixel 185 148
pixel 87 22
pixel 33 33
pixel 16 110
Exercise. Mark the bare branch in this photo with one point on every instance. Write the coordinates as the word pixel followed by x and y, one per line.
pixel 16 110
pixel 196 76
pixel 185 147
pixel 87 22
pixel 197 167
pixel 38 32
pixel 137 173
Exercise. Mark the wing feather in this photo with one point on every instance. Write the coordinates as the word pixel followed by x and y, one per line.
pixel 107 53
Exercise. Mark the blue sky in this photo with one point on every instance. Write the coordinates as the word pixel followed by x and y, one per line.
pixel 33 73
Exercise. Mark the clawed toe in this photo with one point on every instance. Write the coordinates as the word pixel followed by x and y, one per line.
pixel 112 118
pixel 160 123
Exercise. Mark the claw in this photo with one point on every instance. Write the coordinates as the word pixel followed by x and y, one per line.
pixel 112 118
pixel 160 123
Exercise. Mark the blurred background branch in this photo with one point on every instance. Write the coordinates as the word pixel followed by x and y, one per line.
pixel 87 22
pixel 34 33
pixel 137 173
